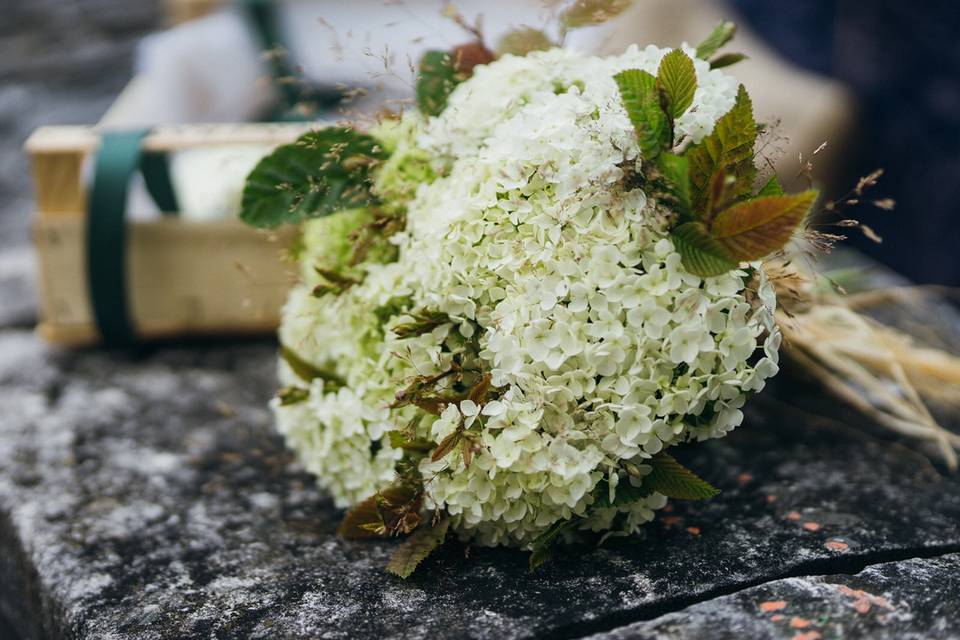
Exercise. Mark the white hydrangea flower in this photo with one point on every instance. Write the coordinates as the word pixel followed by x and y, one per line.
pixel 559 282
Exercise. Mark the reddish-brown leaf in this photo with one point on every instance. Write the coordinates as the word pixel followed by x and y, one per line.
pixel 363 521
pixel 754 229
pixel 480 390
pixel 382 513
pixel 446 445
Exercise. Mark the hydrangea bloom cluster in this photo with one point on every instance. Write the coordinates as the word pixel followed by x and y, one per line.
pixel 546 271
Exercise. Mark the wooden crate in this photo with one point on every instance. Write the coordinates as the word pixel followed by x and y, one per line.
pixel 184 277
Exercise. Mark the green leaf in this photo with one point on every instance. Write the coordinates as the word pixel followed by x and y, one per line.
pixel 673 480
pixel 522 41
pixel 542 546
pixel 323 172
pixel 641 98
pixel 305 370
pixel 679 81
pixel 721 35
pixel 771 188
pixel 701 254
pixel 727 150
pixel 727 59
pixel 415 549
pixel 584 13
pixel 436 80
pixel 754 229
pixel 676 174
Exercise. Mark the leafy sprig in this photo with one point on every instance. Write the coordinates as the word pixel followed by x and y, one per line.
pixel 719 222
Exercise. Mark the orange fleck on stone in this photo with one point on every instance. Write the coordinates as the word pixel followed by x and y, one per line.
pixel 668 509
pixel 776 617
pixel 799 623
pixel 864 601
pixel 744 479
pixel 793 515
pixel 694 531
pixel 811 526
pixel 807 635
pixel 773 605
pixel 771 499
pixel 836 545
pixel 669 521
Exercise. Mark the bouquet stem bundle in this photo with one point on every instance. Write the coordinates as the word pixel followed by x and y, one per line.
pixel 875 368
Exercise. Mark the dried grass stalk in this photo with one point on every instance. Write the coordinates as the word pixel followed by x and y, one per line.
pixel 878 370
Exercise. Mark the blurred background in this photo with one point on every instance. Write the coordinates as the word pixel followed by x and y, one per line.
pixel 881 78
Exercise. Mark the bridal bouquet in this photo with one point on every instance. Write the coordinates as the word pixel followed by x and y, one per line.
pixel 517 299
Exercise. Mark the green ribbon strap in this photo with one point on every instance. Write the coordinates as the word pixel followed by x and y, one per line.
pixel 262 16
pixel 119 157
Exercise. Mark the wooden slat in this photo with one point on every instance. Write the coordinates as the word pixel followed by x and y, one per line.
pixel 56 178
pixel 81 139
pixel 57 154
pixel 185 278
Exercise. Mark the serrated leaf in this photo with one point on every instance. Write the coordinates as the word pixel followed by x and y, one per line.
pixel 415 549
pixel 721 35
pixel 754 229
pixel 522 41
pixel 436 80
pixel 727 150
pixel 323 172
pixel 679 81
pixel 584 13
pixel 676 174
pixel 727 59
pixel 700 253
pixel 771 188
pixel 673 480
pixel 641 98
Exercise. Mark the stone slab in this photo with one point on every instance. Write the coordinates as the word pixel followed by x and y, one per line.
pixel 916 599
pixel 146 496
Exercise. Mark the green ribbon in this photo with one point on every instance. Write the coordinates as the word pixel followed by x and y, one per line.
pixel 120 155
pixel 262 16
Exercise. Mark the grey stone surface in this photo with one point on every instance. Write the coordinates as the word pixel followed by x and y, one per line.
pixel 908 600
pixel 146 496
pixel 18 287
pixel 61 62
